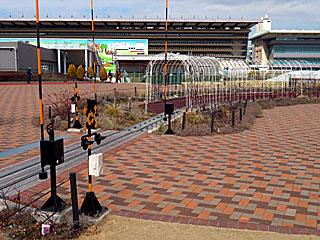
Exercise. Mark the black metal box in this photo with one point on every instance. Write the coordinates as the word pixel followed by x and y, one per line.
pixel 91 104
pixel 52 152
pixel 169 108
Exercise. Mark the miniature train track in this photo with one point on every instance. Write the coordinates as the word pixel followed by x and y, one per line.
pixel 23 175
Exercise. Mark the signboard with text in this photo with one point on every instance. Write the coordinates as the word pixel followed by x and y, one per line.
pixel 106 48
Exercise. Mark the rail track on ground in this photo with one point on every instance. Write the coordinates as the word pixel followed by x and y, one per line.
pixel 23 175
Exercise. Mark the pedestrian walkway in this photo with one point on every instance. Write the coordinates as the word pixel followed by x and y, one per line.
pixel 19 108
pixel 264 178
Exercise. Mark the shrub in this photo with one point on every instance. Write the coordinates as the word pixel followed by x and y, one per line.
pixel 302 97
pixel 71 71
pixel 80 73
pixel 193 117
pixel 162 128
pixel 132 117
pixel 113 111
pixel 103 74
pixel 60 103
pixel 90 72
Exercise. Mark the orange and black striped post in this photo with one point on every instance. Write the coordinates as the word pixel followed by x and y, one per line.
pixel 94 55
pixel 39 68
pixel 75 99
pixel 90 205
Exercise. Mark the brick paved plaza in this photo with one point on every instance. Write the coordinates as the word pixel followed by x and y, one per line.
pixel 266 178
pixel 20 105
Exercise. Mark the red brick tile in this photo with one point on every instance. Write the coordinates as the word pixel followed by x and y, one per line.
pixel 282 208
pixel 244 202
pixel 167 209
pixel 228 210
pixel 294 200
pixel 268 216
pixel 204 214
pixel 209 198
pixel 257 195
pixel 311 223
pixel 301 217
pixel 192 205
pixel 259 211
pixel 303 204
pixel 244 219
pixel 221 206
pixel 134 203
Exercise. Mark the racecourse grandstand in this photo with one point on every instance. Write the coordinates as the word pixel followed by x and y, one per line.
pixel 226 38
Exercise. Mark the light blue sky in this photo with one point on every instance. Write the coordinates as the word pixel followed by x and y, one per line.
pixel 285 14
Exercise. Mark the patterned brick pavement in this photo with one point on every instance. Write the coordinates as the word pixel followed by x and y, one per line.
pixel 20 104
pixel 266 178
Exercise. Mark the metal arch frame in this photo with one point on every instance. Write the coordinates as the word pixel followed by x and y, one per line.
pixel 301 77
pixel 280 77
pixel 311 72
pixel 203 74
pixel 213 64
pixel 270 64
pixel 206 72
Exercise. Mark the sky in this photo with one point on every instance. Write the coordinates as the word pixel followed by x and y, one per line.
pixel 285 14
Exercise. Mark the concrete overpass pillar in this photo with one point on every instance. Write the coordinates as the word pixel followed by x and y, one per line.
pixel 90 59
pixel 65 62
pixel 59 61
pixel 86 60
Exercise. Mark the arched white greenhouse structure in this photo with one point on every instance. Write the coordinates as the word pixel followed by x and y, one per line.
pixel 209 82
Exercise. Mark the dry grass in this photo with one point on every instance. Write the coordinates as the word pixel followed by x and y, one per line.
pixel 199 123
pixel 121 228
pixel 116 118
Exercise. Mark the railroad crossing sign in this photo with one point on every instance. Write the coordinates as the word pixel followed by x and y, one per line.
pixel 89 112
pixel 75 99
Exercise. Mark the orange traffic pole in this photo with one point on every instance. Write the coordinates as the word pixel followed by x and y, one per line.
pixel 95 91
pixel 39 69
pixel 94 54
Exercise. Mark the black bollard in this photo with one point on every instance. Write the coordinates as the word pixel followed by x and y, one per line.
pixel 135 91
pixel 245 107
pixel 318 94
pixel 240 114
pixel 50 112
pixel 233 113
pixel 212 122
pixel 69 119
pixel 169 109
pixel 74 199
pixel 184 121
